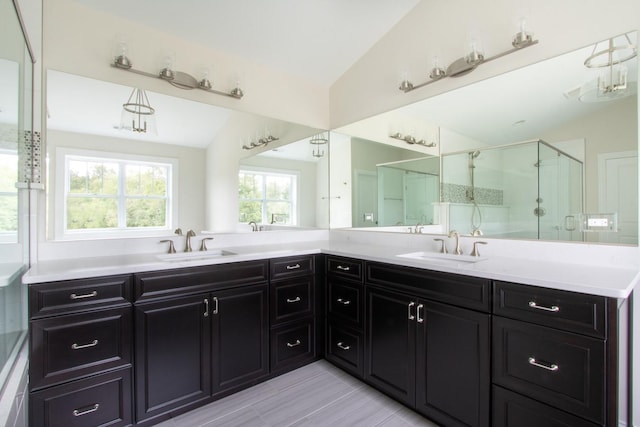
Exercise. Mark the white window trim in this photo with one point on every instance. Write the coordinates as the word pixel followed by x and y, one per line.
pixel 272 171
pixel 10 236
pixel 60 232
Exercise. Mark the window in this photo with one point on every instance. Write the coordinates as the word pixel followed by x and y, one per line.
pixel 111 194
pixel 8 192
pixel 268 197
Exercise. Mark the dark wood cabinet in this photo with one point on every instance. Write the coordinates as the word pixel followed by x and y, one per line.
pixel 453 358
pixel 294 332
pixel 344 306
pixel 240 336
pixel 390 351
pixel 80 345
pixel 432 356
pixel 172 354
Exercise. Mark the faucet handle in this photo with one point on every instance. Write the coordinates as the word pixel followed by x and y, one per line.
pixel 203 243
pixel 172 248
pixel 475 251
pixel 443 248
pixel 178 231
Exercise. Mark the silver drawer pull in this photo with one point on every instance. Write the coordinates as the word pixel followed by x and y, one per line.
pixel 89 295
pixel 553 308
pixel 419 319
pixel 206 307
pixel 552 367
pixel 343 301
pixel 80 347
pixel 409 314
pixel 293 267
pixel 341 346
pixel 343 268
pixel 295 344
pixel 81 412
pixel 296 299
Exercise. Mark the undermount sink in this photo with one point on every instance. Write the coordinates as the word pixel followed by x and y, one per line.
pixel 194 256
pixel 438 257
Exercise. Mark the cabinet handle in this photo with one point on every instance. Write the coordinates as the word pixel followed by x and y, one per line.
pixel 420 319
pixel 553 308
pixel 341 346
pixel 296 299
pixel 295 344
pixel 410 315
pixel 343 268
pixel 293 267
pixel 553 367
pixel 89 295
pixel 80 347
pixel 215 305
pixel 206 307
pixel 343 301
pixel 81 412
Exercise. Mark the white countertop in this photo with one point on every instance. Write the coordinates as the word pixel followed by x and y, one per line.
pixel 10 271
pixel 616 282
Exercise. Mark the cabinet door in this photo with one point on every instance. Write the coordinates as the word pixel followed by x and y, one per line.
pixel 390 343
pixel 240 322
pixel 453 364
pixel 172 354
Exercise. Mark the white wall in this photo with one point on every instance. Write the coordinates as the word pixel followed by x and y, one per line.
pixel 443 28
pixel 82 41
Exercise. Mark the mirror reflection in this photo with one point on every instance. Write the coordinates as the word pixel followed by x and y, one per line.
pixel 548 151
pixel 143 163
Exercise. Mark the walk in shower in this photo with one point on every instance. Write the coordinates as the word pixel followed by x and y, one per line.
pixel 528 190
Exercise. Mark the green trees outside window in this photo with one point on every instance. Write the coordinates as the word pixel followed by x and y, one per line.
pixel 267 197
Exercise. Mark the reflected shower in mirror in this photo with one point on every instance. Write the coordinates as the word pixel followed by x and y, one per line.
pixel 179 160
pixel 582 104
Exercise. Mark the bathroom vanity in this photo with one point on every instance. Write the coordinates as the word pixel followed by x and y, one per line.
pixel 462 349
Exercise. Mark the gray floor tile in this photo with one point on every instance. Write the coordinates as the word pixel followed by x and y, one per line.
pixel 294 403
pixel 413 418
pixel 245 418
pixel 299 376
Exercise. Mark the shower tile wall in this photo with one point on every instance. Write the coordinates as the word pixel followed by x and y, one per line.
pixel 456 193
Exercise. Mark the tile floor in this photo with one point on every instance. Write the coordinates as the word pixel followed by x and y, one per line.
pixel 318 394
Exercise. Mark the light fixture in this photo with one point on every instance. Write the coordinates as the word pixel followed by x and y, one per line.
pixel 471 61
pixel 259 141
pixel 409 139
pixel 610 54
pixel 139 112
pixel 178 79
pixel 318 140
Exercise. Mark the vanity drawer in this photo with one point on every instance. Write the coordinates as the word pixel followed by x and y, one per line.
pixel 464 291
pixel 194 280
pixel 514 410
pixel 562 369
pixel 345 349
pixel 292 299
pixel 570 311
pixel 344 267
pixel 282 268
pixel 69 347
pixel 97 401
pixel 292 344
pixel 345 301
pixel 54 298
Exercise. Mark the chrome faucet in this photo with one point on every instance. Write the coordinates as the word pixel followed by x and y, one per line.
pixel 254 226
pixel 419 227
pixel 189 235
pixel 457 250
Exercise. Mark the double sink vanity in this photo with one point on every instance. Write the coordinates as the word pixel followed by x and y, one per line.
pixel 465 341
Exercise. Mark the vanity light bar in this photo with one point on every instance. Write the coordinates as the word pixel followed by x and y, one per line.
pixel 412 140
pixel 176 78
pixel 467 64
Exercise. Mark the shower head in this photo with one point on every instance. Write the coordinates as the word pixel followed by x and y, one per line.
pixel 474 154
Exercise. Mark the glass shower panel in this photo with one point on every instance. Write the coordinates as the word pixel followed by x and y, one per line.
pixel 560 195
pixel 519 163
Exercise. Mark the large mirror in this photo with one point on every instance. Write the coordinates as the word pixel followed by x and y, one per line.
pixel 545 152
pixel 187 165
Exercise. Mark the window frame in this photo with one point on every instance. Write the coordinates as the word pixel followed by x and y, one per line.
pixel 64 155
pixel 295 193
pixel 9 236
